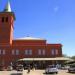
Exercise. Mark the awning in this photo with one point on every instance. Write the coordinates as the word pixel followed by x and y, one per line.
pixel 45 59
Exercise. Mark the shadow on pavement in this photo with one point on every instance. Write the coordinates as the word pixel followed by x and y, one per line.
pixel 71 72
pixel 16 74
pixel 49 74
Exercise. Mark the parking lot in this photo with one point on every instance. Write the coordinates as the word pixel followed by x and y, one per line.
pixel 34 72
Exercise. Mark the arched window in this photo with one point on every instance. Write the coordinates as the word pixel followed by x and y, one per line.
pixel 39 52
pixel 3 52
pixel 13 52
pixel 28 52
pixel 17 52
pixel 53 51
pixel 2 19
pixel 56 51
pixel 6 19
pixel 43 51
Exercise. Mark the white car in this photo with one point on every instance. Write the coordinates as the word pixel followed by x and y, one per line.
pixel 51 69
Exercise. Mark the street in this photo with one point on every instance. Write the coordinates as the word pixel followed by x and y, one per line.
pixel 34 72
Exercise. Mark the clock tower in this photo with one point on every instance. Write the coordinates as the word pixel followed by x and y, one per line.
pixel 7 18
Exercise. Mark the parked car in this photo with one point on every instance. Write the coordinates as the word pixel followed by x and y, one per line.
pixel 71 68
pixel 51 69
pixel 19 67
pixel 64 67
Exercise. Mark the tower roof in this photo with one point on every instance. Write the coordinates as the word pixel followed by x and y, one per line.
pixel 7 7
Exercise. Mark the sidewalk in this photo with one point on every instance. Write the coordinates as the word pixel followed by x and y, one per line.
pixel 34 72
pixel 24 72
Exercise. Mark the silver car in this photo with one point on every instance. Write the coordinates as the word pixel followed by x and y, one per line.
pixel 71 68
pixel 51 69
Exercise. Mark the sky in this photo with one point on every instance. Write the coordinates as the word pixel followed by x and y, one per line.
pixel 53 20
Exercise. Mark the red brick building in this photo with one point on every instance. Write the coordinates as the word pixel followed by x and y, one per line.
pixel 27 47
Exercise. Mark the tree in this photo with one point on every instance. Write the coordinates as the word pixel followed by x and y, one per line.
pixel 73 57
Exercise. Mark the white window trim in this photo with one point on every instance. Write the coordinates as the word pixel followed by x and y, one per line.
pixel 56 51
pixel 26 52
pixel 17 52
pixel 0 51
pixel 39 52
pixel 30 52
pixel 3 52
pixel 43 52
pixel 13 52
pixel 53 51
